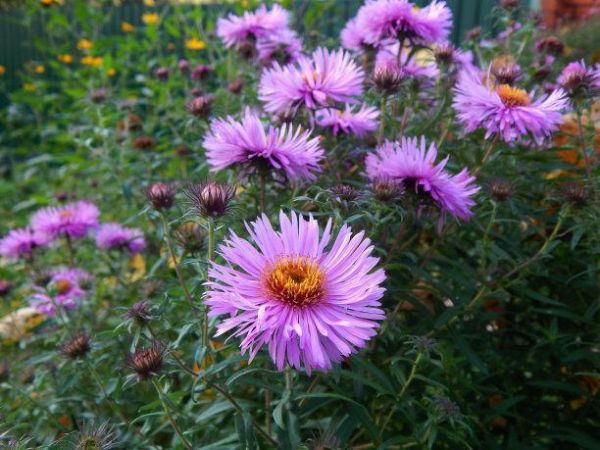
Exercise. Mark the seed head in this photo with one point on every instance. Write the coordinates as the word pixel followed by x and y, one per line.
pixel 344 193
pixel 500 190
pixel 190 236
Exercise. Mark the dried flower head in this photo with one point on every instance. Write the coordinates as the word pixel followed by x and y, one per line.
pixel 162 73
pixel 200 106
pixel 98 95
pixel 500 190
pixel 447 408
pixel 140 312
pixel 190 236
pixel 576 194
pixel 235 86
pixel 93 437
pixel 386 80
pixel 505 72
pixel 387 190
pixel 143 143
pixel 147 362
pixel 551 44
pixel 211 198
pixel 344 193
pixel 161 195
pixel 76 346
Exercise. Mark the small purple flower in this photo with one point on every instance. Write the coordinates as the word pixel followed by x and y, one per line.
pixel 349 121
pixel 73 220
pixel 576 75
pixel 312 300
pixel 65 286
pixel 401 19
pixel 235 30
pixel 114 236
pixel 507 111
pixel 21 243
pixel 162 73
pixel 284 47
pixel 248 142
pixel 311 82
pixel 413 163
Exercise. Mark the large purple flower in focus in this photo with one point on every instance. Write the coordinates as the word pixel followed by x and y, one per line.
pixel 21 243
pixel 65 286
pixel 507 111
pixel 114 236
pixel 350 120
pixel 311 299
pixel 414 164
pixel 248 142
pixel 401 19
pixel 74 220
pixel 311 82
pixel 234 30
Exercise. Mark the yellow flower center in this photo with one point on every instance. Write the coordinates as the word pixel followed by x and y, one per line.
pixel 511 96
pixel 63 286
pixel 296 281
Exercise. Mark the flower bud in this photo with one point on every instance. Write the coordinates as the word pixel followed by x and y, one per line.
pixel 200 106
pixel 210 199
pixel 98 95
pixel 190 236
pixel 162 73
pixel 386 81
pixel 140 312
pixel 235 86
pixel 184 66
pixel 387 190
pixel 161 195
pixel 500 190
pixel 143 143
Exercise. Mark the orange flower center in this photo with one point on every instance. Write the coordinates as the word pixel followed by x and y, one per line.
pixel 511 96
pixel 63 286
pixel 67 214
pixel 296 281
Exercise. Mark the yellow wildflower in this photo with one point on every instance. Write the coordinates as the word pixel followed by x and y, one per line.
pixel 150 18
pixel 51 2
pixel 84 44
pixel 111 72
pixel 29 87
pixel 195 44
pixel 66 58
pixel 149 2
pixel 2 70
pixel 126 27
pixel 92 61
pixel 39 69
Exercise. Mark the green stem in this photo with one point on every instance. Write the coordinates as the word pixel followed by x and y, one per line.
pixel 173 256
pixel 383 108
pixel 186 443
pixel 411 376
pixel 263 192
pixel 210 256
pixel 107 397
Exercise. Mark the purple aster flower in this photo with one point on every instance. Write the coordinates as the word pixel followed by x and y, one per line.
pixel 576 75
pixel 353 37
pixel 349 121
pixel 248 142
pixel 283 46
pixel 111 236
pixel 400 19
pixel 413 163
pixel 21 243
pixel 65 286
pixel 311 299
pixel 507 111
pixel 311 82
pixel 387 59
pixel 235 30
pixel 73 220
